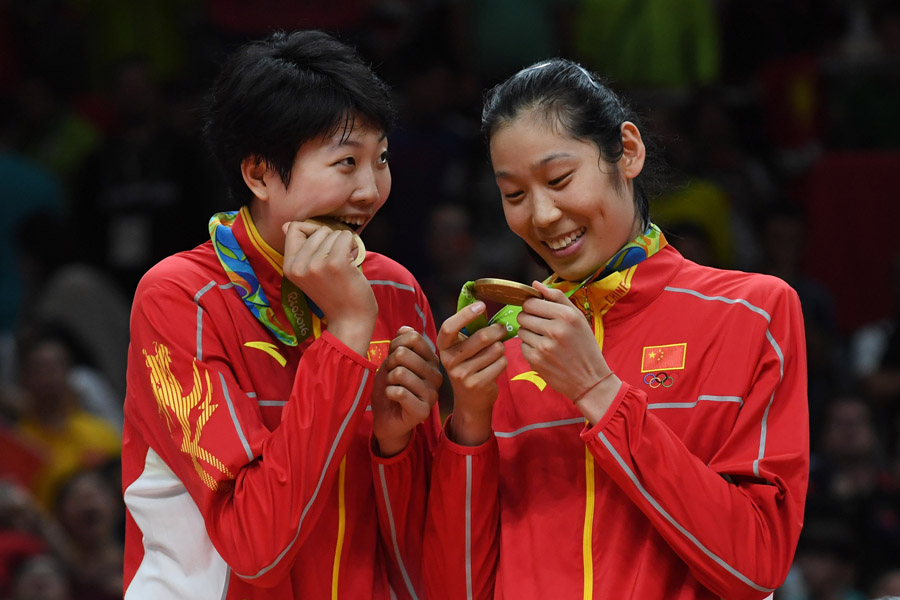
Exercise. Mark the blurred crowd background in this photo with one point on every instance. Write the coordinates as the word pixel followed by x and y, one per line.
pixel 780 120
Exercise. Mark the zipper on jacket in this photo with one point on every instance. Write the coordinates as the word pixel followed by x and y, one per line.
pixel 587 540
pixel 342 525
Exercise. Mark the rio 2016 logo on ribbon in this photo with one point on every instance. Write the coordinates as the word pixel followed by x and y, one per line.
pixel 299 312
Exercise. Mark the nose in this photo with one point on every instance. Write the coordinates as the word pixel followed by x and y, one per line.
pixel 544 210
pixel 366 191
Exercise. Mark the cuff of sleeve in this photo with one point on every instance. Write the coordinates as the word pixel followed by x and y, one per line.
pixel 592 430
pixel 392 460
pixel 344 349
pixel 452 446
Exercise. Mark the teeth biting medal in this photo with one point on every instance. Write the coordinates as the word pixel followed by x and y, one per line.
pixel 336 225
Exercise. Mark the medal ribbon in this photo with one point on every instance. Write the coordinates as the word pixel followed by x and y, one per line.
pixel 639 249
pixel 300 311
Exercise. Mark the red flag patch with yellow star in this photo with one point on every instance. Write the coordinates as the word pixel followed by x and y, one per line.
pixel 662 358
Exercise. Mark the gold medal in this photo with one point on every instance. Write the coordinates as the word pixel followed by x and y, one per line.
pixel 336 225
pixel 503 291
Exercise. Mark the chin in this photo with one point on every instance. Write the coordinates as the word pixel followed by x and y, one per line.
pixel 568 274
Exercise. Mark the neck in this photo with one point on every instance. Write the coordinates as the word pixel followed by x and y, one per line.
pixel 269 231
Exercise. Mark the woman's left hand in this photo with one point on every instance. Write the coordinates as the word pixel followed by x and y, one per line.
pixel 558 343
pixel 405 390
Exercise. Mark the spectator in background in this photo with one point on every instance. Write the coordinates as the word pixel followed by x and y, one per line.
pixel 851 459
pixel 851 479
pixel 70 437
pixel 87 510
pixel 82 303
pixel 26 530
pixel 42 577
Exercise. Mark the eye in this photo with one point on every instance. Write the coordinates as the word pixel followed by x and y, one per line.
pixel 555 182
pixel 383 159
pixel 514 195
pixel 348 161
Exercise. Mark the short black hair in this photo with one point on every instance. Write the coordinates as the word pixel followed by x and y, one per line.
pixel 277 93
pixel 582 103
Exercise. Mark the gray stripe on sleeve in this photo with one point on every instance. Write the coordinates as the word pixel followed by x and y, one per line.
pixel 390 514
pixel 533 426
pixel 197 297
pixel 234 419
pixel 398 285
pixel 428 341
pixel 703 398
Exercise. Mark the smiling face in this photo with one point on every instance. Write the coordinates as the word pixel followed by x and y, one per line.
pixel 561 197
pixel 344 177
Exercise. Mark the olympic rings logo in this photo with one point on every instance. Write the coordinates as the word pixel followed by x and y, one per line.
pixel 655 380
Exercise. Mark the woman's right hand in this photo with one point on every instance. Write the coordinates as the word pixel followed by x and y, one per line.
pixel 319 261
pixel 472 364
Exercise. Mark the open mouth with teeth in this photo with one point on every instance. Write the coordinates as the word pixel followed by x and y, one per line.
pixel 352 223
pixel 567 240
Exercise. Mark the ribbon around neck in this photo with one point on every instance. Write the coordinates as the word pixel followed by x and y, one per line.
pixel 297 307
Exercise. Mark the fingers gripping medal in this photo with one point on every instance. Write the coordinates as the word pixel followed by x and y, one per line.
pixel 336 225
pixel 511 294
pixel 298 308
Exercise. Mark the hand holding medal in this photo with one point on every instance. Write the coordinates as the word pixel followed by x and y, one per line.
pixel 322 276
pixel 359 253
pixel 508 294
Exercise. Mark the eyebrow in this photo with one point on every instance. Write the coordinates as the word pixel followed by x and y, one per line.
pixel 543 162
pixel 355 143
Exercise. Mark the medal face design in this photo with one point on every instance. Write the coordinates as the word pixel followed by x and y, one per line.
pixel 503 291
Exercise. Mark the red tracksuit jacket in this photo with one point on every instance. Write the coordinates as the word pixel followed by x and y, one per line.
pixel 247 468
pixel 692 485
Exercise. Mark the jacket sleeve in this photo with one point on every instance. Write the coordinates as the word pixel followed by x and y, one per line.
pixel 462 535
pixel 735 521
pixel 259 491
pixel 401 492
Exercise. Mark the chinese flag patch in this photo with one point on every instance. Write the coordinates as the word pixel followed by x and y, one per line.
pixel 378 351
pixel 663 358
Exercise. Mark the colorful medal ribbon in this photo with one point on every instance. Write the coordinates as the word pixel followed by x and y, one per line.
pixel 639 249
pixel 240 273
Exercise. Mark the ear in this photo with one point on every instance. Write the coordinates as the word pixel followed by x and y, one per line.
pixel 254 172
pixel 634 152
